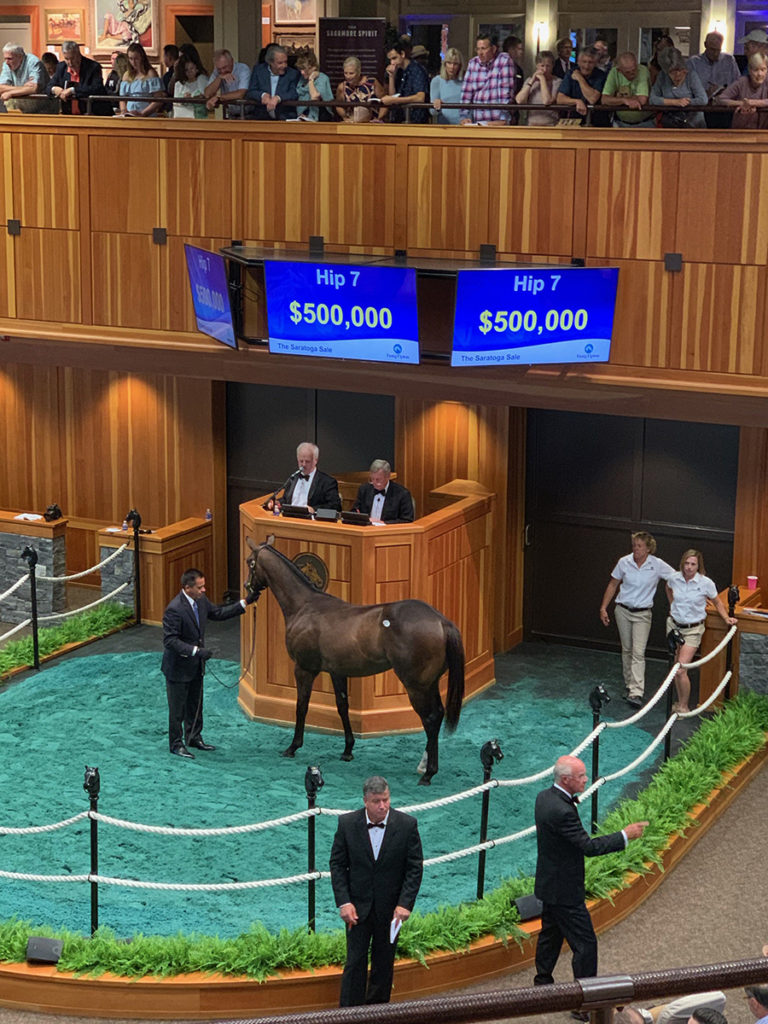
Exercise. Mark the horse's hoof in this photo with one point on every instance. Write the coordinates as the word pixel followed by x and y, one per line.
pixel 425 780
pixel 347 757
pixel 288 752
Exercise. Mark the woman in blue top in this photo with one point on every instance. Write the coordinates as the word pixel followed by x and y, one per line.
pixel 141 79
pixel 313 85
pixel 446 87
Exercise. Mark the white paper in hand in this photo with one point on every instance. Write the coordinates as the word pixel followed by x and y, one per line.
pixel 394 928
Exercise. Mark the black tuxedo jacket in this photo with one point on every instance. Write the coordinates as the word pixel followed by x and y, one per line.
pixel 181 634
pixel 563 843
pixel 324 492
pixel 261 83
pixel 398 503
pixel 381 885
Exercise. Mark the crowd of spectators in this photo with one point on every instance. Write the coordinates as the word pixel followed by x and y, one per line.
pixel 594 88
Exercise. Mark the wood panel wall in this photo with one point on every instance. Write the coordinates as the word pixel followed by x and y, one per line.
pixel 99 188
pixel 100 443
pixel 442 441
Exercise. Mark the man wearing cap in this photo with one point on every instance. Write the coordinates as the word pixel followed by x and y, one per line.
pixel 755 41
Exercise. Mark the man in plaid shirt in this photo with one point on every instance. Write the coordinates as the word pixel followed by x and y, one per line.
pixel 490 79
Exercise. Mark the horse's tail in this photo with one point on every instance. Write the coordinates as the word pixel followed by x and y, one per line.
pixel 454 656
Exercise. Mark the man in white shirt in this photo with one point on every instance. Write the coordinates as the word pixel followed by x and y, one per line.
pixel 229 82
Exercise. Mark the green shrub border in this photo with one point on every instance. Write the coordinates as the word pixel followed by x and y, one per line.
pixel 720 744
pixel 84 626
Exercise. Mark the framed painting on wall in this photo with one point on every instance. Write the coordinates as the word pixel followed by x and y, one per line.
pixel 295 12
pixel 65 24
pixel 117 23
pixel 296 40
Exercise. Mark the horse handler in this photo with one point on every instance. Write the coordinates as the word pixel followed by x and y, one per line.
pixel 376 869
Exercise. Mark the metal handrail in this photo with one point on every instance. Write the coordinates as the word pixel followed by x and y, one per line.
pixel 587 994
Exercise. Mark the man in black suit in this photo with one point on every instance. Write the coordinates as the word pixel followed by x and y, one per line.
pixel 562 845
pixel 184 658
pixel 376 868
pixel 383 499
pixel 75 79
pixel 271 83
pixel 308 486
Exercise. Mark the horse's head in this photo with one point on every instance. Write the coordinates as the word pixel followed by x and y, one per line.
pixel 256 581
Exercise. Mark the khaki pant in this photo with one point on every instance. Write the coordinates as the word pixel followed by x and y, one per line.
pixel 634 630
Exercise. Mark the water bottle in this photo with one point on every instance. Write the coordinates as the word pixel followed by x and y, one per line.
pixel 125 525
pixel 208 515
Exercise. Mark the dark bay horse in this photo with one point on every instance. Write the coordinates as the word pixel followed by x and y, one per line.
pixel 325 634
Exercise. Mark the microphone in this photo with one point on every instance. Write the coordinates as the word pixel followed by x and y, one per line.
pixel 282 488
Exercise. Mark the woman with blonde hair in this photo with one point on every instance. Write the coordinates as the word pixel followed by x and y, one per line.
pixel 688 591
pixel 446 87
pixel 356 86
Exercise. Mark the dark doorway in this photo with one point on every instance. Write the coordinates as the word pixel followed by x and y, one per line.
pixel 591 481
pixel 197 29
pixel 264 426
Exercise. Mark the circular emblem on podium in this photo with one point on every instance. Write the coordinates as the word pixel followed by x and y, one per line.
pixel 314 568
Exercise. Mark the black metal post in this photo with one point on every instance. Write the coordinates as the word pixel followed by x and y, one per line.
pixel 313 780
pixel 91 785
pixel 597 698
pixel 733 600
pixel 674 642
pixel 490 752
pixel 134 517
pixel 30 557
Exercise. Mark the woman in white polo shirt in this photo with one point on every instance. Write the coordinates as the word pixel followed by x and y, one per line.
pixel 638 576
pixel 688 591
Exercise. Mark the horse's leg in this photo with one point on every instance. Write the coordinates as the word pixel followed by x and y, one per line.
pixel 304 681
pixel 429 707
pixel 342 706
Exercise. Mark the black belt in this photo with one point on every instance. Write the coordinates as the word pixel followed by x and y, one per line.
pixel 688 625
pixel 631 609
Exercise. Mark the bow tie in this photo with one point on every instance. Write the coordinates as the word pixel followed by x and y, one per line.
pixel 375 491
pixel 303 476
pixel 376 824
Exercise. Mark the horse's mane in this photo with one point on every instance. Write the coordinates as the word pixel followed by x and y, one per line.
pixel 293 568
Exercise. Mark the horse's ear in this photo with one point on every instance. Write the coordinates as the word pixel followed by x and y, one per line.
pixel 271 540
pixel 250 543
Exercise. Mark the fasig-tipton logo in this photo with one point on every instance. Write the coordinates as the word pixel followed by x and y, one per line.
pixel 588 353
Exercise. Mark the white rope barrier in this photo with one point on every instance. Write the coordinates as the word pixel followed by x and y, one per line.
pixel 19 583
pixel 15 629
pixel 85 572
pixel 229 830
pixel 18 876
pixel 264 883
pixel 32 830
pixel 85 607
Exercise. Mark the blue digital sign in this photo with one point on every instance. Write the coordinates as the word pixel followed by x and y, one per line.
pixel 210 294
pixel 342 312
pixel 547 315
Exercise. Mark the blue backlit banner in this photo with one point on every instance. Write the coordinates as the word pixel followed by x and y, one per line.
pixel 552 315
pixel 210 294
pixel 342 312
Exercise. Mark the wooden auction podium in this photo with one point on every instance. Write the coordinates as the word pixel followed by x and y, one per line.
pixel 444 559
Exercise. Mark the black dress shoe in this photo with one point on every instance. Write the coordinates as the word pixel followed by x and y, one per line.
pixel 200 744
pixel 634 702
pixel 578 1015
pixel 181 751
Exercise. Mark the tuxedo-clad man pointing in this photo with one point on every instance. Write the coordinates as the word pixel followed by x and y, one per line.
pixel 563 843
